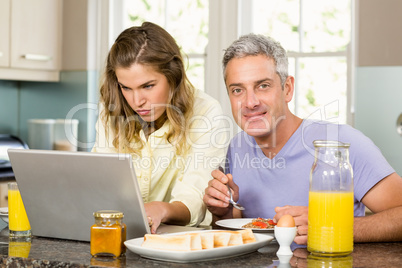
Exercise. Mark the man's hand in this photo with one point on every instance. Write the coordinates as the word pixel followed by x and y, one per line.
pixel 216 196
pixel 300 214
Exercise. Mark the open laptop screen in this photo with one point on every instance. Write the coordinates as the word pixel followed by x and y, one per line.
pixel 61 190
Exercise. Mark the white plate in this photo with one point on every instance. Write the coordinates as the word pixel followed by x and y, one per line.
pixel 199 255
pixel 4 214
pixel 238 223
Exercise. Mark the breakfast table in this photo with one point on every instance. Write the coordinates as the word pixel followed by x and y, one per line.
pixel 46 252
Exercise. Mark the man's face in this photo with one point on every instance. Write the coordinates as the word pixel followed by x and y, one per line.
pixel 256 95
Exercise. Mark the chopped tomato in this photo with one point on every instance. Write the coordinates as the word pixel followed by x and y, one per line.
pixel 271 222
pixel 260 224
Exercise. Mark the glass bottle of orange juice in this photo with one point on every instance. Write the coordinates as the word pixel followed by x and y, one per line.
pixel 18 223
pixel 331 200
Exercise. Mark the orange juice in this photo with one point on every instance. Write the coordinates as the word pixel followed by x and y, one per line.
pixel 330 223
pixel 17 216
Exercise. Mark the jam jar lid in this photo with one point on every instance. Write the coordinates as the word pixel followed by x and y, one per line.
pixel 110 214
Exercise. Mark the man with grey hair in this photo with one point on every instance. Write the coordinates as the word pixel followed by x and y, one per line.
pixel 269 162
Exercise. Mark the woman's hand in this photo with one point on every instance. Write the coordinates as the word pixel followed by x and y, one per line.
pixel 155 212
pixel 300 214
pixel 162 212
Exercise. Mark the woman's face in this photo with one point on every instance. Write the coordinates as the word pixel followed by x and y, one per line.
pixel 145 90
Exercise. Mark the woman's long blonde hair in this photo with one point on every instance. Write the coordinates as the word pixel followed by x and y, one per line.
pixel 149 45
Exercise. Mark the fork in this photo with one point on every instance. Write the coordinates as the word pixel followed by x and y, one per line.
pixel 231 201
pixel 236 205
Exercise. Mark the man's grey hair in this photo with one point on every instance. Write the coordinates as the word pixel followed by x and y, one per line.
pixel 253 45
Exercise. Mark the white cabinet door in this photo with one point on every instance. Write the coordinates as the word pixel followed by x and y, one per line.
pixel 36 34
pixel 4 33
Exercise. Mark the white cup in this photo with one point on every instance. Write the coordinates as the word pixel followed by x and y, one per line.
pixel 41 133
pixel 66 135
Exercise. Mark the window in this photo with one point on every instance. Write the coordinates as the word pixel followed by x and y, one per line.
pixel 317 35
pixel 186 21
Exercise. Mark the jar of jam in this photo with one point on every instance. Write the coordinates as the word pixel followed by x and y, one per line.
pixel 108 234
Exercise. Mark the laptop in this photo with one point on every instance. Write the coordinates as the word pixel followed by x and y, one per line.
pixel 61 190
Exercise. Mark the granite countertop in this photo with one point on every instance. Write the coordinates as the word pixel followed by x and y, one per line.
pixel 64 253
pixel 45 252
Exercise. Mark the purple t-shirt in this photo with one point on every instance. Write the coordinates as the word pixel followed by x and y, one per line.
pixel 266 183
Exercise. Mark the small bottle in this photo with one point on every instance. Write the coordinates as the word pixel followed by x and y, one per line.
pixel 331 201
pixel 108 234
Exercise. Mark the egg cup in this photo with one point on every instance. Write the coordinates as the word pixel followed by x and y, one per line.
pixel 285 237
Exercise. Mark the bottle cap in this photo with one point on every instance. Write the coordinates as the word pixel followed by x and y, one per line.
pixel 110 214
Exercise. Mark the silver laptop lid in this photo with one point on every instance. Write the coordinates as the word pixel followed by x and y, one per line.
pixel 61 190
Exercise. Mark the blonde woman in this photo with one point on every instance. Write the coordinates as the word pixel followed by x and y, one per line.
pixel 175 133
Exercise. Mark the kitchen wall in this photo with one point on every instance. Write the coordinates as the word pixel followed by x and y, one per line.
pixel 378 95
pixel 76 92
pixel 21 101
pixel 9 107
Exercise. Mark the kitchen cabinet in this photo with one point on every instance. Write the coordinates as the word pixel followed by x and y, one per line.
pixel 30 41
pixel 4 32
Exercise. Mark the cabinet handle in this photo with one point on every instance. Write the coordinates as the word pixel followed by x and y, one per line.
pixel 37 57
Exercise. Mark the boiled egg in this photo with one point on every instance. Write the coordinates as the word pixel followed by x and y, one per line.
pixel 286 221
